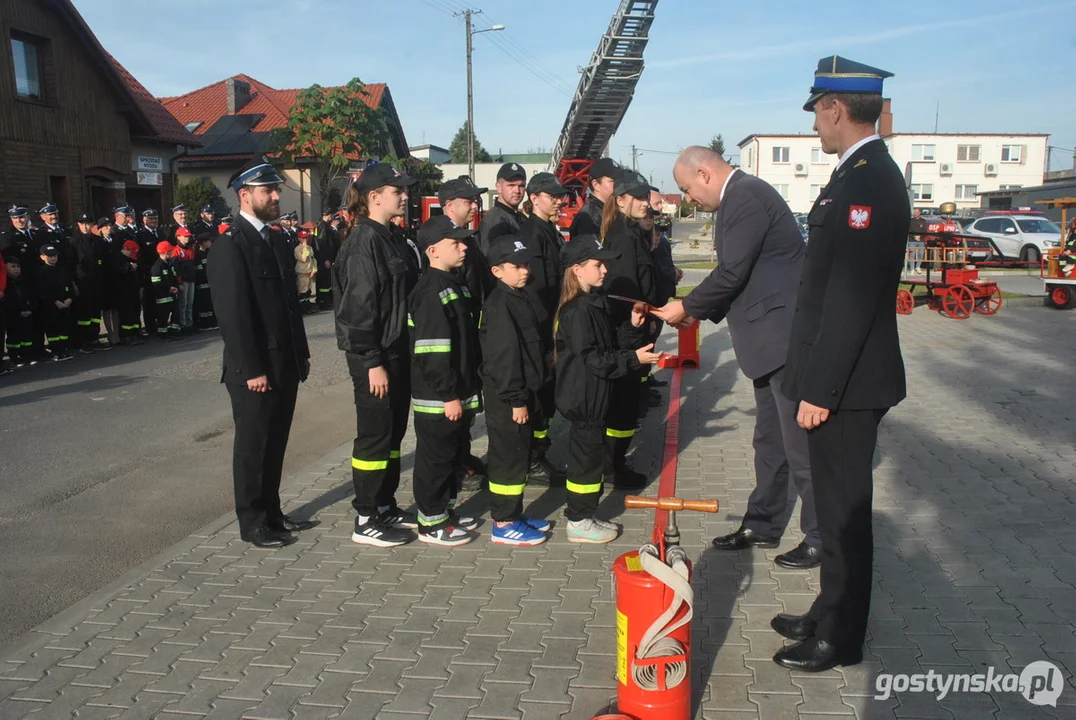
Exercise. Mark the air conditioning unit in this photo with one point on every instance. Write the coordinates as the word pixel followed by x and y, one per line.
pixel 991 169
pixel 946 169
pixel 801 169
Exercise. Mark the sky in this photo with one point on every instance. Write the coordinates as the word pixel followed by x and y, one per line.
pixel 712 67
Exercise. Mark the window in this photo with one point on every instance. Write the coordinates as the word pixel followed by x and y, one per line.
pixel 1006 225
pixel 748 162
pixel 922 192
pixel 192 126
pixel 1038 226
pixel 966 192
pixel 782 190
pixel 816 190
pixel 1009 187
pixel 923 152
pixel 989 225
pixel 967 153
pixel 1011 153
pixel 780 154
pixel 817 156
pixel 27 56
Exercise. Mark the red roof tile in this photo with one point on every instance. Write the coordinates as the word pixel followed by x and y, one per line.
pixel 672 198
pixel 210 103
pixel 165 126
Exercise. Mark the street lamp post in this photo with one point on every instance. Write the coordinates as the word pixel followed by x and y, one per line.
pixel 470 91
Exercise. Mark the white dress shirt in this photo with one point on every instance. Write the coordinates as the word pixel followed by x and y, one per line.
pixel 848 153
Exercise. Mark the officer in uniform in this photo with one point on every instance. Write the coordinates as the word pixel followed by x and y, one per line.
pixel 179 219
pixel 206 225
pixel 844 367
pixel 252 272
pixel 21 240
pixel 504 217
pixel 588 221
pixel 53 233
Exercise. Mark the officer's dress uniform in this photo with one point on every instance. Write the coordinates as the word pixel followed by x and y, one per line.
pixel 257 308
pixel 844 355
pixel 445 358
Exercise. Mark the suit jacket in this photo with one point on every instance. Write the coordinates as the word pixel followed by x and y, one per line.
pixel 844 352
pixel 256 300
pixel 760 257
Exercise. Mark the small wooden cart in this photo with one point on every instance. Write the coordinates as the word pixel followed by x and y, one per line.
pixel 1060 288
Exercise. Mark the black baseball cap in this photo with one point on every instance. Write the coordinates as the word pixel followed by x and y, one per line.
pixel 84 218
pixel 511 171
pixel 629 182
pixel 380 175
pixel 437 229
pixel 508 248
pixel 603 168
pixel 546 182
pixel 459 188
pixel 101 222
pixel 49 249
pixel 585 247
pixel 11 257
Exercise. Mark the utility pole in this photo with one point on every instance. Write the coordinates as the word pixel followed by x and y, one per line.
pixel 470 86
pixel 634 157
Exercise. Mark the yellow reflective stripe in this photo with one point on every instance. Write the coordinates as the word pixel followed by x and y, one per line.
pixel 410 322
pixel 481 318
pixel 583 489
pixel 430 410
pixel 369 464
pixel 394 455
pixel 431 520
pixel 162 301
pixel 541 434
pixel 510 490
pixel 84 323
pixel 619 433
pixel 434 345
pixel 154 278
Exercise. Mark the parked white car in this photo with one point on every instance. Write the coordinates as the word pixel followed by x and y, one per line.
pixel 1019 237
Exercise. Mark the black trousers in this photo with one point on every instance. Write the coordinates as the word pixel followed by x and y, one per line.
pixel 87 307
pixel 586 466
pixel 57 326
pixel 380 425
pixel 620 421
pixel 324 287
pixel 262 426
pixel 128 310
pixel 167 316
pixel 780 451
pixel 440 447
pixel 204 316
pixel 508 458
pixel 842 454
pixel 149 308
pixel 541 418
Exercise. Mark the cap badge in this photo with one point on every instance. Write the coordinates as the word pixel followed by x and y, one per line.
pixel 519 246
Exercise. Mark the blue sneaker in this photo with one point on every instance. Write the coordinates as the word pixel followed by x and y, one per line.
pixel 539 525
pixel 518 533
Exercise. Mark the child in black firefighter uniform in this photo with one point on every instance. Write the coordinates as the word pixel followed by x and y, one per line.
pixel 588 360
pixel 445 388
pixel 162 278
pixel 514 372
pixel 124 285
pixel 204 317
pixel 55 294
pixel 19 307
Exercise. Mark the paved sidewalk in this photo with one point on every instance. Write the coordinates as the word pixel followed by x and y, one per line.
pixel 975 567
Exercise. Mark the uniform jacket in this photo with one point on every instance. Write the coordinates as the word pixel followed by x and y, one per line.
pixel 665 269
pixel 326 244
pixel 475 272
pixel 373 274
pixel 19 296
pixel 588 221
pixel 844 352
pixel 543 239
pixel 257 307
pixel 53 283
pixel 162 278
pixel 25 245
pixel 760 254
pixel 119 235
pixel 202 230
pixel 169 233
pixel 183 259
pixel 122 281
pixel 588 357
pixel 147 247
pixel 444 343
pixel 500 220
pixel 514 352
pixel 89 257
pixel 633 275
pixel 201 269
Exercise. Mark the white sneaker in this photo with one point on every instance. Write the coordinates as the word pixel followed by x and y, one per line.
pixel 590 531
pixel 447 535
pixel 606 524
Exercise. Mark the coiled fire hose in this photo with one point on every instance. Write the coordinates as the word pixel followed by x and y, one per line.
pixel 656 642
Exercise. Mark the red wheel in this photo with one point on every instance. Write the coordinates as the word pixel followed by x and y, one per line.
pixel 905 302
pixel 989 304
pixel 1062 297
pixel 958 302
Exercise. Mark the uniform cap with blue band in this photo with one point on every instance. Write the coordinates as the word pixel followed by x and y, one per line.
pixel 17 211
pixel 838 75
pixel 255 174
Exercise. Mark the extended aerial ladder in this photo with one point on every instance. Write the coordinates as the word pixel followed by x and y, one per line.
pixel 605 91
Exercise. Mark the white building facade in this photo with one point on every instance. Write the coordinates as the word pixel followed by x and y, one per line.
pixel 944 166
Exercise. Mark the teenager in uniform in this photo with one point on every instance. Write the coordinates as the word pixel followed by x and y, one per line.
pixel 326 245
pixel 89 278
pixel 631 274
pixel 18 306
pixel 504 217
pixel 515 369
pixel 588 220
pixel 162 278
pixel 183 262
pixel 445 387
pixel 123 286
pixel 844 366
pixel 204 317
pixel 372 276
pixel 55 293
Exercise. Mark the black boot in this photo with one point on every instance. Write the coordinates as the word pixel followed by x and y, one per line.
pixel 541 471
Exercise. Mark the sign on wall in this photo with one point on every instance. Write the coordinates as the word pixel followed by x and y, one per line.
pixel 148 178
pixel 150 163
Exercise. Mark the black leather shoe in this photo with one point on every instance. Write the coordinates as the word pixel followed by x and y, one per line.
pixel 545 475
pixel 265 537
pixel 814 655
pixel 627 478
pixel 288 525
pixel 744 538
pixel 793 627
pixel 801 557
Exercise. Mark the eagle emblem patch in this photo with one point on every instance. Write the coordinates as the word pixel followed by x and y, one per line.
pixel 859 217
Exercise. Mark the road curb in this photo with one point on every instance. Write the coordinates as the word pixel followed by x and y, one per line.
pixel 66 619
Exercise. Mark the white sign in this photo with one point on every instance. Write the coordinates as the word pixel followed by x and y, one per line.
pixel 148 162
pixel 147 178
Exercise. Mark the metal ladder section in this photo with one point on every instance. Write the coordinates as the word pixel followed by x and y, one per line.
pixel 607 84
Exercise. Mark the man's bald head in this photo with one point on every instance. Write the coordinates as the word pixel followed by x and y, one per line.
pixel 700 173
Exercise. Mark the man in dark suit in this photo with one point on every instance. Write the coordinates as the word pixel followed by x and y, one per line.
pixel 844 364
pixel 256 300
pixel 760 253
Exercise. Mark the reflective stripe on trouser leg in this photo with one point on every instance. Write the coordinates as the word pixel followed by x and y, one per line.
pixel 438 441
pixel 507 460
pixel 374 472
pixel 585 470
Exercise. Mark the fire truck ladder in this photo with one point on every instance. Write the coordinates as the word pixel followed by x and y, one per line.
pixel 605 91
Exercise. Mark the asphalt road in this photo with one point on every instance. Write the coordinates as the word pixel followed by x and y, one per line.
pixel 108 459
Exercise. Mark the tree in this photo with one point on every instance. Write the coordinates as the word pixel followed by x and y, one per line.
pixel 687 208
pixel 200 192
pixel 328 128
pixel 717 144
pixel 458 148
pixel 428 175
